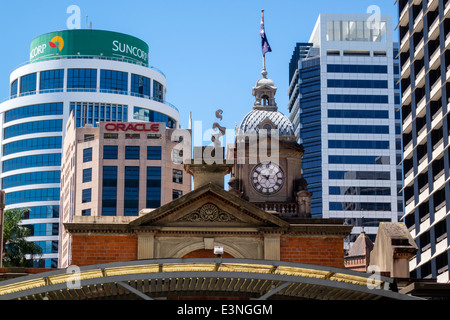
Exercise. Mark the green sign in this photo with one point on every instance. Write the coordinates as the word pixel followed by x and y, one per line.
pixel 87 42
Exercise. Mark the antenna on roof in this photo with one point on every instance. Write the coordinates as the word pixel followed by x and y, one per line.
pixel 88 23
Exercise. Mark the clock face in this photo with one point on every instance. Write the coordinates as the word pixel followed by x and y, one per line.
pixel 267 178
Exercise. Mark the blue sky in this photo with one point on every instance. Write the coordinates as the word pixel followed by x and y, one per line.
pixel 209 50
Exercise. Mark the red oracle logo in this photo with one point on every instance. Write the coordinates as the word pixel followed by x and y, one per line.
pixel 120 126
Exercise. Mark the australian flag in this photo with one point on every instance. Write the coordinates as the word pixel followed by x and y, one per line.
pixel 264 43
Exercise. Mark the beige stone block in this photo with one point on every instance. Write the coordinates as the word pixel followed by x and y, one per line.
pixel 146 244
pixel 272 247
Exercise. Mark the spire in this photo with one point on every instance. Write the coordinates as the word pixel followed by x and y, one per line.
pixel 190 121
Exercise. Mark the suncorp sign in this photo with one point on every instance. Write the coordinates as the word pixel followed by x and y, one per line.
pixel 87 42
pixel 127 49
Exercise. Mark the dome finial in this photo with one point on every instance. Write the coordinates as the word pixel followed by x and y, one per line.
pixel 264 73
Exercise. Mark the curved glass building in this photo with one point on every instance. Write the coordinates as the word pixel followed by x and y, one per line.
pixel 99 76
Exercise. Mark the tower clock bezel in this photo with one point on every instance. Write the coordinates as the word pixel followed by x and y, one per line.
pixel 260 184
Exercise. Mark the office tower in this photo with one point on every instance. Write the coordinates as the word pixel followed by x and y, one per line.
pixel 342 102
pixel 99 76
pixel 111 172
pixel 425 59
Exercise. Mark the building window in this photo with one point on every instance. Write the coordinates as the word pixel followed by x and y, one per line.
pixel 32 144
pixel 356 68
pixel 89 137
pixel 51 80
pixel 357 98
pixel 31 178
pixel 342 30
pixel 132 152
pixel 153 116
pixel 13 93
pixel 110 152
pixel 87 175
pixel 177 156
pixel 39 160
pixel 176 194
pixel 87 154
pixel 114 81
pixel 359 175
pixel 365 114
pixel 86 212
pixel 86 195
pixel 48 246
pixel 177 176
pixel 153 187
pixel 42 212
pixel 358 159
pixel 50 194
pixel 154 153
pixel 93 113
pixel 140 86
pixel 365 84
pixel 33 127
pixel 36 110
pixel 158 91
pixel 45 263
pixel 131 194
pixel 109 191
pixel 360 191
pixel 132 136
pixel 360 206
pixel 82 80
pixel 43 229
pixel 358 129
pixel 111 136
pixel 358 144
pixel 28 84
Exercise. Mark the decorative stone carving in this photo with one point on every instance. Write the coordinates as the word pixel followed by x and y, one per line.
pixel 209 213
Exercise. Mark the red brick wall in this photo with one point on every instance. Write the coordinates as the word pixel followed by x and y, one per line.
pixel 320 251
pixel 95 249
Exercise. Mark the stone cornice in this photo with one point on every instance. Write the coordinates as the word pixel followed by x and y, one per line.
pixel 297 230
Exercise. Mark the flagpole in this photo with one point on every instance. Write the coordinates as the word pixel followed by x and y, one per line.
pixel 264 55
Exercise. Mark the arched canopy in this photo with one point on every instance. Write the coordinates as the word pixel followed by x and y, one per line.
pixel 212 277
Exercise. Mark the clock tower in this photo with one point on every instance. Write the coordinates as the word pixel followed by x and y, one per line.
pixel 267 158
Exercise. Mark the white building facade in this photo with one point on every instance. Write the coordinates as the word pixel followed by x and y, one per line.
pixel 343 98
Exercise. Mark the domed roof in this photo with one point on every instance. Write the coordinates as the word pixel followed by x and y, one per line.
pixel 257 118
pixel 265 82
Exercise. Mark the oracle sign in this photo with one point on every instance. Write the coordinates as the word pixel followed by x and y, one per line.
pixel 122 126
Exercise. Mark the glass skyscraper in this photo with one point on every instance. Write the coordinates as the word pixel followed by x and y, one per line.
pixel 343 96
pixel 99 76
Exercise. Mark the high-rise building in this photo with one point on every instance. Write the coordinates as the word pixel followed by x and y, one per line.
pixel 99 76
pixel 342 102
pixel 113 171
pixel 423 28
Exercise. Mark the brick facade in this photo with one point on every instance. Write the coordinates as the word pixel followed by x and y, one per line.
pixel 319 251
pixel 93 249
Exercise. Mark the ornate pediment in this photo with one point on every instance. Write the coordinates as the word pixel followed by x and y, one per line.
pixel 209 206
pixel 209 213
